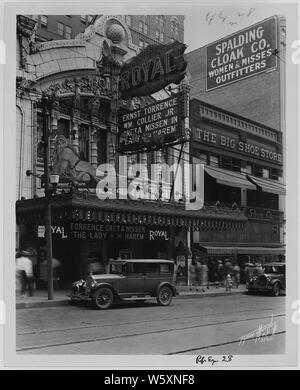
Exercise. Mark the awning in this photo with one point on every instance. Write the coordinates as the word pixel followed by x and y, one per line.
pixel 247 250
pixel 229 178
pixel 268 185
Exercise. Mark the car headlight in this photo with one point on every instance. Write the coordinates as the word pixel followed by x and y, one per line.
pixel 268 279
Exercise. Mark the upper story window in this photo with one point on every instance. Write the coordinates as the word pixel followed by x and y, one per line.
pixel 161 20
pixel 247 169
pixel 68 32
pixel 265 173
pixel 175 28
pixel 141 26
pixel 44 20
pixel 258 171
pixel 161 36
pixel 157 34
pixel 146 28
pixel 128 20
pixel 60 28
pixel 214 160
pixel 141 44
pixel 89 18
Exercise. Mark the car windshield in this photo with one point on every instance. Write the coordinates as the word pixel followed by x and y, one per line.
pixel 116 268
pixel 273 269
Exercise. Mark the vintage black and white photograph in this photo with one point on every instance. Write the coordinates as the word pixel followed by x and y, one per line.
pixel 150 189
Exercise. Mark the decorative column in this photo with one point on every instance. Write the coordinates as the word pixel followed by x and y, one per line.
pixel 94 150
pixel 74 132
pixel 54 116
pixel 94 130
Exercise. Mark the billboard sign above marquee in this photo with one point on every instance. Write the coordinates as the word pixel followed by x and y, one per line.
pixel 153 69
pixel 245 53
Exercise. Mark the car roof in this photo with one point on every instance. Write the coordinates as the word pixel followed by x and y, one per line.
pixel 276 264
pixel 146 261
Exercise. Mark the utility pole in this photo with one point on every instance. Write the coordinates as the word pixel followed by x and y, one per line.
pixel 48 194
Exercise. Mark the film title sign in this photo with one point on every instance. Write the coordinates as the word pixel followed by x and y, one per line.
pixel 209 137
pixel 153 69
pixel 101 231
pixel 241 55
pixel 151 126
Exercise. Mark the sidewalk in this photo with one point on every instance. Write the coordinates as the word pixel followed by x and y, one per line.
pixel 40 298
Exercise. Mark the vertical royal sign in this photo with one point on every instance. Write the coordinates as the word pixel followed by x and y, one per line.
pixel 246 53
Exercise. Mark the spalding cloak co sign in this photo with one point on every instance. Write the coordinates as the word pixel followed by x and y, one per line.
pixel 153 69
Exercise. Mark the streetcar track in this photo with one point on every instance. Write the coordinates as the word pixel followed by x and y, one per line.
pixel 136 322
pixel 139 334
pixel 220 344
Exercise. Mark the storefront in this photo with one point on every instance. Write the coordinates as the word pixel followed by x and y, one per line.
pixel 87 233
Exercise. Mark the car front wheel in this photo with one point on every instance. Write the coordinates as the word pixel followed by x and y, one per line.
pixel 164 296
pixel 103 298
pixel 276 290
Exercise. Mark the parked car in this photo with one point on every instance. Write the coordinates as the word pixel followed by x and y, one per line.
pixel 272 280
pixel 128 280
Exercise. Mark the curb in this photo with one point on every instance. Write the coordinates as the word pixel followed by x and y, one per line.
pixel 64 302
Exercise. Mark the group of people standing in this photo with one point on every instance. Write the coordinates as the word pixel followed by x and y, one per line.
pixel 226 274
pixel 198 274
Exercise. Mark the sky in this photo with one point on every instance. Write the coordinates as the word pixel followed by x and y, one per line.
pixel 205 24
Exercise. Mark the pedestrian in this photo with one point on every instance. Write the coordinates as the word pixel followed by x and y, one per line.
pixel 257 269
pixel 205 280
pixel 55 274
pixel 175 272
pixel 192 274
pixel 249 267
pixel 24 271
pixel 236 275
pixel 228 282
pixel 220 273
pixel 198 271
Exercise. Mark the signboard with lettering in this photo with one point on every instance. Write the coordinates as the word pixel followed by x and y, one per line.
pixel 152 127
pixel 102 231
pixel 153 69
pixel 242 54
pixel 235 144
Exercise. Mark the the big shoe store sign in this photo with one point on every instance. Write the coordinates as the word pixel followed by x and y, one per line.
pixel 243 54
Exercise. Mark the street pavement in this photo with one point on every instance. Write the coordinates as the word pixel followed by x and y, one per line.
pixel 194 325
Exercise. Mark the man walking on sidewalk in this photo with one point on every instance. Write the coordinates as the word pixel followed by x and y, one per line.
pixel 24 272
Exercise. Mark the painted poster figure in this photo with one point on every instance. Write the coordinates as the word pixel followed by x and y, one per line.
pixel 68 165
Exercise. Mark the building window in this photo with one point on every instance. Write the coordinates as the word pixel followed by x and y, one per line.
pixel 146 28
pixel 274 174
pixel 141 44
pixel 68 32
pixel 174 28
pixel 128 20
pixel 258 171
pixel 44 21
pixel 161 37
pixel 157 35
pixel 265 173
pixel 161 21
pixel 141 26
pixel 60 28
pixel 214 161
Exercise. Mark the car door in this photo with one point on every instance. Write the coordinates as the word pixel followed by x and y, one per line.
pixel 152 277
pixel 135 278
